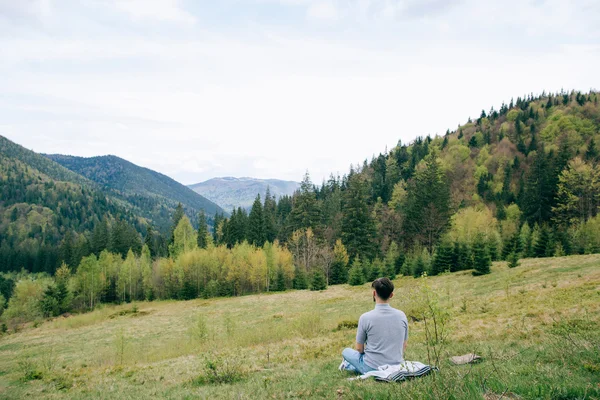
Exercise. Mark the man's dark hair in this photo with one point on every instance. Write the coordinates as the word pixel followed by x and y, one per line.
pixel 384 288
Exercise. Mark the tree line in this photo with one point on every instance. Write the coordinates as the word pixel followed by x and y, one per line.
pixel 521 181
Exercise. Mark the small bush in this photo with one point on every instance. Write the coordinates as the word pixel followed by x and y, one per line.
pixel 199 330
pixel 29 371
pixel 218 371
pixel 129 311
pixel 513 260
pixel 347 325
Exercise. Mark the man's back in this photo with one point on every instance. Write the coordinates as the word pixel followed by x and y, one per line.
pixel 384 330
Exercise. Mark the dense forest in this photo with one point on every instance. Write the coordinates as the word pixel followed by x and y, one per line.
pixel 519 181
pixel 50 214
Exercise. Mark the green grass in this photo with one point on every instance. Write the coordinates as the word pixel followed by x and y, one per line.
pixel 535 325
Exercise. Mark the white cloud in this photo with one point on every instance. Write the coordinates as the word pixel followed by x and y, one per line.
pixel 325 11
pixel 160 10
pixel 198 102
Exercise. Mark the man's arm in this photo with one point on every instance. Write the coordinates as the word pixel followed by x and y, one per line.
pixel 361 336
pixel 360 347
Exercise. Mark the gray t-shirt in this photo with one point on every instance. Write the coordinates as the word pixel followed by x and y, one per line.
pixel 384 331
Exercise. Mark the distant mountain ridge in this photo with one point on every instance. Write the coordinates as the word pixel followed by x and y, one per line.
pixel 155 193
pixel 229 192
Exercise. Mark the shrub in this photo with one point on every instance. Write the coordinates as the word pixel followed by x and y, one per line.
pixel 29 371
pixel 24 305
pixel 199 330
pixel 347 325
pixel 221 371
pixel 513 260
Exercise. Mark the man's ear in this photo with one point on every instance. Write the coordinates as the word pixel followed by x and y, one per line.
pixel 374 293
pixel 391 295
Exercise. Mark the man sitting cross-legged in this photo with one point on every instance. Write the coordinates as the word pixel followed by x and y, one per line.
pixel 382 333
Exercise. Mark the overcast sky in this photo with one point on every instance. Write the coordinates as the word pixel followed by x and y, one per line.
pixel 272 88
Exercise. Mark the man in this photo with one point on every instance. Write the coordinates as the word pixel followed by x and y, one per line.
pixel 382 333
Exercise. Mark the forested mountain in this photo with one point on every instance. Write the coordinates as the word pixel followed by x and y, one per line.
pixel 232 193
pixel 47 213
pixel 154 195
pixel 521 179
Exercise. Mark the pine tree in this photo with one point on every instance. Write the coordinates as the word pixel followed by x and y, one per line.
pixel 442 260
pixel 318 280
pixel 542 244
pixel 300 279
pixel 339 266
pixel 305 210
pixel 202 230
pixel 356 273
pixel 150 240
pixel 481 257
pixel 100 237
pixel 377 270
pixel 256 224
pixel 540 189
pixel 280 281
pixel 358 227
pixel 390 261
pixel 418 266
pixel 428 203
pixel 270 214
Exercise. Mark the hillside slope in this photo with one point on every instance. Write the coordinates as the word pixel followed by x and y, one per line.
pixel 535 326
pixel 41 202
pixel 232 193
pixel 140 186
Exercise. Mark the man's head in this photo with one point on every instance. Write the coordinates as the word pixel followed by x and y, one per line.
pixel 384 289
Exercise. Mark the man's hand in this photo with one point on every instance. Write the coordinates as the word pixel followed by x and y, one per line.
pixel 361 348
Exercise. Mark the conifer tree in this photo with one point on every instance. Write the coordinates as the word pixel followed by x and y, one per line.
pixel 592 153
pixel 513 260
pixel 305 210
pixel 400 261
pixel 256 224
pixel 356 276
pixel 202 230
pixel 428 203
pixel 442 260
pixel 270 214
pixel 358 227
pixel 418 266
pixel 481 258
pixel 542 246
pixel 280 281
pixel 150 240
pixel 390 261
pixel 526 239
pixel 339 266
pixel 300 282
pixel 377 269
pixel 318 280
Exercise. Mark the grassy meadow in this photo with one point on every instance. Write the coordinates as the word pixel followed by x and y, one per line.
pixel 536 326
